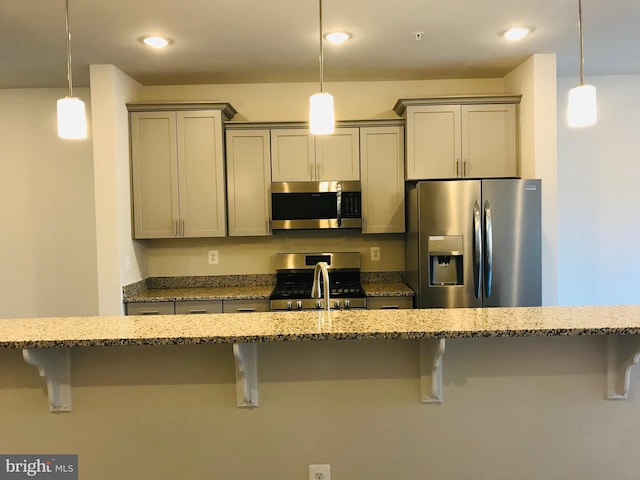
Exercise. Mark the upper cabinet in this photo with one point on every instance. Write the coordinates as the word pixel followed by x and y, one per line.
pixel 382 166
pixel 297 155
pixel 248 182
pixel 461 137
pixel 177 164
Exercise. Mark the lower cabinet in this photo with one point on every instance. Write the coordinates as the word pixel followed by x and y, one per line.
pixel 389 303
pixel 197 307
pixel 238 306
pixel 150 308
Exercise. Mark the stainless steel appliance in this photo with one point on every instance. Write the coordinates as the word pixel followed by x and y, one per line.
pixel 313 205
pixel 474 243
pixel 294 279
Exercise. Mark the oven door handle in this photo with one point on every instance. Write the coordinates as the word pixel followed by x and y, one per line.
pixel 339 202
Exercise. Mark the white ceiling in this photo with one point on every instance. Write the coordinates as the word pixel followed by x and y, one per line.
pixel 248 41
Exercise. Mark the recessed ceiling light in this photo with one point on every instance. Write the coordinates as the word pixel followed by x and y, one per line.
pixel 156 42
pixel 337 37
pixel 517 33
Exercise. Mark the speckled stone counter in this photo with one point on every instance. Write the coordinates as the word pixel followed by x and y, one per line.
pixel 244 287
pixel 387 289
pixel 338 325
pixel 257 292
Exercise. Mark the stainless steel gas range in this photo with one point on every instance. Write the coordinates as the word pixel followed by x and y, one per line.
pixel 294 280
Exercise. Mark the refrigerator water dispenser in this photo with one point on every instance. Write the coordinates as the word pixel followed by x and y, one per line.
pixel 445 260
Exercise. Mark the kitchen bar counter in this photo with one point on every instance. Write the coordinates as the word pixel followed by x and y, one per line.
pixel 317 325
pixel 45 341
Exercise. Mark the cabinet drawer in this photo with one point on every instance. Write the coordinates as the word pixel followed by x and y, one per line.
pixel 388 303
pixel 198 306
pixel 150 308
pixel 235 306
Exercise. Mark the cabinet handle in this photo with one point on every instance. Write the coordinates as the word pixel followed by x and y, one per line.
pixel 182 227
pixel 457 167
pixel 198 311
pixel 389 307
pixel 364 224
pixel 317 171
pixel 239 310
pixel 310 170
pixel 464 168
pixel 175 228
pixel 149 312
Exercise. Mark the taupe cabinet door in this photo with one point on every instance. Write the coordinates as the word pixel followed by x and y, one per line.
pixel 248 182
pixel 461 141
pixel 178 174
pixel 296 155
pixel 382 165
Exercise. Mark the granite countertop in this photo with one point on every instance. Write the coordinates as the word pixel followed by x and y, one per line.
pixel 244 287
pixel 317 325
pixel 387 289
pixel 240 292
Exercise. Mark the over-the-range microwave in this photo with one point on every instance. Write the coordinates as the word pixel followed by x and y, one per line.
pixel 316 205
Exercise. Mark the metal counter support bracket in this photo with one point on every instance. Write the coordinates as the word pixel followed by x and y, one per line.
pixel 246 355
pixel 431 352
pixel 623 352
pixel 54 364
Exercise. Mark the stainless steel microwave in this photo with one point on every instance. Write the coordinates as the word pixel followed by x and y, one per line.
pixel 316 205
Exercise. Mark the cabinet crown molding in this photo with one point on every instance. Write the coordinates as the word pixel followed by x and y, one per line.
pixel 401 105
pixel 226 108
pixel 375 122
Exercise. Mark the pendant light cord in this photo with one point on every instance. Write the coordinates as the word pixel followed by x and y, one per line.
pixel 581 42
pixel 69 77
pixel 321 49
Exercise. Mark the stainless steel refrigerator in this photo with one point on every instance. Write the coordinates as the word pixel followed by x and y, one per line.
pixel 474 243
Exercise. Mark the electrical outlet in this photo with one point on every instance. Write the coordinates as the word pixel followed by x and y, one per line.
pixel 320 472
pixel 375 254
pixel 213 257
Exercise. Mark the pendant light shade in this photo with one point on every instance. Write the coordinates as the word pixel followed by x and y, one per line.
pixel 72 118
pixel 321 114
pixel 72 123
pixel 582 109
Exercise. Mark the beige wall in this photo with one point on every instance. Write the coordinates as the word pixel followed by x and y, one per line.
pixel 290 101
pixel 120 260
pixel 535 79
pixel 47 232
pixel 514 408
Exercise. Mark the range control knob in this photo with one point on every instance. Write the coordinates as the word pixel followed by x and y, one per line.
pixel 319 304
pixel 336 304
pixel 347 304
pixel 289 305
pixel 299 304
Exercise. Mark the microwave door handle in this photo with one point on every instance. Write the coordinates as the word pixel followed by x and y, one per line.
pixel 339 203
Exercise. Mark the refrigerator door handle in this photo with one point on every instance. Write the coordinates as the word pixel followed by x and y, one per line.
pixel 488 249
pixel 477 250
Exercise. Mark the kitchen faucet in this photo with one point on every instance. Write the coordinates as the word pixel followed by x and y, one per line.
pixel 316 291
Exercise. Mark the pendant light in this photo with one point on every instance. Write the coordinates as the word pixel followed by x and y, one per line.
pixel 321 116
pixel 582 110
pixel 72 120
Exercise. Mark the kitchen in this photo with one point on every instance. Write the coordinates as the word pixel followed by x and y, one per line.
pixel 528 407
